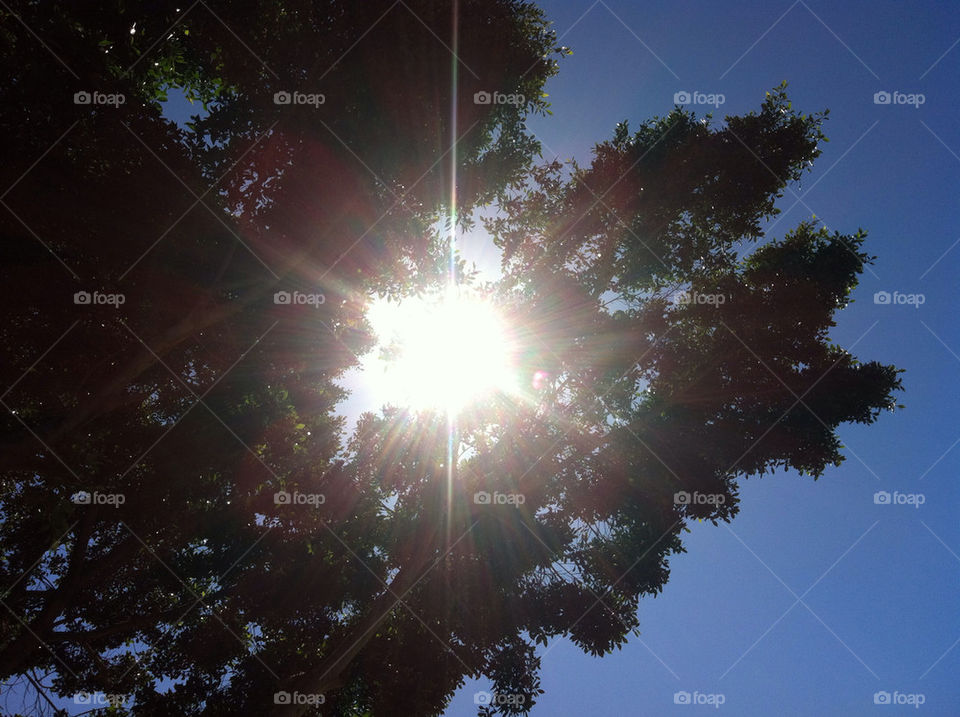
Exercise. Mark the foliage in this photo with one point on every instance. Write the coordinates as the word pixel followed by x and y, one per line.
pixel 199 398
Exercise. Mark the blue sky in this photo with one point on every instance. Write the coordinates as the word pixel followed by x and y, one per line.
pixel 878 584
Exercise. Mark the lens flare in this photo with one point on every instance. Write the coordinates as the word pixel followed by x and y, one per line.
pixel 441 354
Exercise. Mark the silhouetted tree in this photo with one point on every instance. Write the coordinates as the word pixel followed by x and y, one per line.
pixel 672 360
pixel 200 398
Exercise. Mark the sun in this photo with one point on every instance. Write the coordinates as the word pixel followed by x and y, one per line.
pixel 439 354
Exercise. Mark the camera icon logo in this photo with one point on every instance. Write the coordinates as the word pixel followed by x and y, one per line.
pixel 881 297
pixel 282 297
pixel 681 498
pixel 282 498
pixel 481 498
pixel 881 698
pixel 482 98
pixel 82 98
pixel 82 297
pixel 881 497
pixel 681 698
pixel 282 698
pixel 81 497
pixel 482 698
pixel 881 98
pixel 282 98
pixel 681 98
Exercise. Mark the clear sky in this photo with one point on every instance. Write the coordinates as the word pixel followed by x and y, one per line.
pixel 878 585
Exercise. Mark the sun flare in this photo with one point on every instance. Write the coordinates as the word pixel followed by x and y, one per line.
pixel 439 354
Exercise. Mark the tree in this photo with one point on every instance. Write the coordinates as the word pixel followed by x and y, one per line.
pixel 192 395
pixel 679 361
pixel 200 400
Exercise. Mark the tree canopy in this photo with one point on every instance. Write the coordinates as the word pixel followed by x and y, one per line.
pixel 157 398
